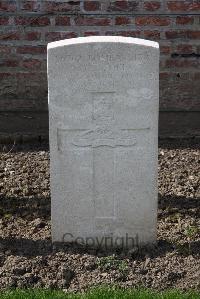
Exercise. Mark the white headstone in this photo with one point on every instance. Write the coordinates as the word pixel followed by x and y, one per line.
pixel 103 110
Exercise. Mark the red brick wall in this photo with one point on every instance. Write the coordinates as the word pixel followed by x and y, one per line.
pixel 27 26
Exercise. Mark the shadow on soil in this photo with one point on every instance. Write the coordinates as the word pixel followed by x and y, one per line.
pixel 182 143
pixel 179 204
pixel 30 208
pixel 31 248
pixel 40 208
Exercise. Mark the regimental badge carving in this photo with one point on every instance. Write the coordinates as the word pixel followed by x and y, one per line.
pixel 103 131
pixel 103 137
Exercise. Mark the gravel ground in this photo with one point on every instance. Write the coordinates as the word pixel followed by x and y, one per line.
pixel 27 257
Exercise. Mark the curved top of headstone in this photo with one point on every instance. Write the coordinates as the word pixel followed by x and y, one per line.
pixel 103 39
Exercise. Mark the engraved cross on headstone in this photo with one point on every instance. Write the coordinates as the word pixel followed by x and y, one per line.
pixel 104 137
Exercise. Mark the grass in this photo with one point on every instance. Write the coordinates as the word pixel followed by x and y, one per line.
pixel 110 262
pixel 98 293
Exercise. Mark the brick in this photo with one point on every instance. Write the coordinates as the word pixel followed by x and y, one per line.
pixel 11 35
pixel 123 6
pixel 32 6
pixel 92 21
pixel 193 34
pixel 184 49
pixel 128 33
pixel 32 50
pixel 5 50
pixel 31 63
pixel 91 33
pixel 8 6
pixel 53 36
pixel 92 5
pixel 5 75
pixel 152 5
pixel 62 6
pixel 155 35
pixel 184 20
pixel 196 76
pixel 32 35
pixel 122 20
pixel 17 104
pixel 188 5
pixel 32 21
pixel 152 20
pixel 12 63
pixel 174 34
pixel 4 20
pixel 164 75
pixel 182 62
pixel 165 50
pixel 198 49
pixel 9 63
pixel 183 34
pixel 32 76
pixel 62 21
pixel 181 74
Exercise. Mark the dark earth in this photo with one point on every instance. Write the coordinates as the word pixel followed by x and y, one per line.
pixel 28 259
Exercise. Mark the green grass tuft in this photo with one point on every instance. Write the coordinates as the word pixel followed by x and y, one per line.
pixel 98 293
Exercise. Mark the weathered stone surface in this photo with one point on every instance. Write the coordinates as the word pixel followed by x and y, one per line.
pixel 103 110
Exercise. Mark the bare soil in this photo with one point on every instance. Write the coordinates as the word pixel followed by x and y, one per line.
pixel 28 259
